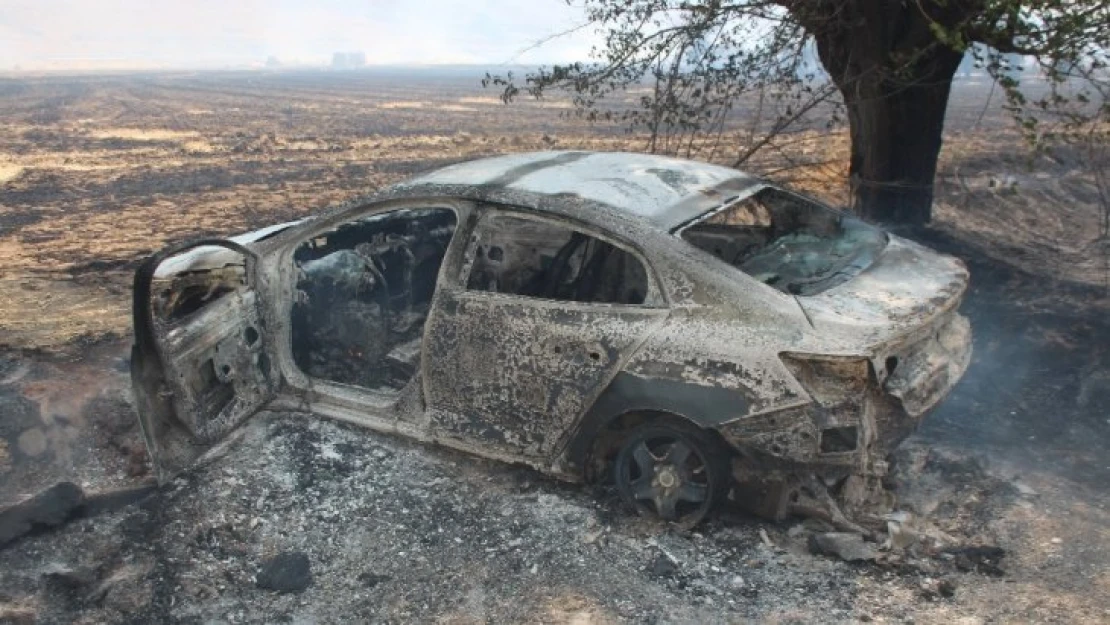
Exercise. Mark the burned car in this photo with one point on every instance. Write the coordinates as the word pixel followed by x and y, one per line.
pixel 687 330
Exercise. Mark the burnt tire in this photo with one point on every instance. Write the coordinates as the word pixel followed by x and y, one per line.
pixel 676 472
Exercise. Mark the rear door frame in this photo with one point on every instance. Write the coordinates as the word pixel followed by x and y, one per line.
pixel 450 426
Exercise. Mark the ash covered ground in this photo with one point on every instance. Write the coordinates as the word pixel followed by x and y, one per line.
pixel 305 520
pixel 393 531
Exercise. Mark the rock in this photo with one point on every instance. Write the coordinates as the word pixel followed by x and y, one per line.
pixel 286 572
pixel 50 508
pixel 664 566
pixel 844 545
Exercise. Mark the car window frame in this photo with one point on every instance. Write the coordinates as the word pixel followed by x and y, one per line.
pixel 713 259
pixel 656 297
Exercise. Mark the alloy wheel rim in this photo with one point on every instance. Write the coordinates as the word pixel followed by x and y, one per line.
pixel 668 477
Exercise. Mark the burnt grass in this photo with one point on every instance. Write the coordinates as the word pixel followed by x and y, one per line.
pixel 1011 467
pixel 1039 387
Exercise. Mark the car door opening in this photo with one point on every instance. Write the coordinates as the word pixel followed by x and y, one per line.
pixel 362 295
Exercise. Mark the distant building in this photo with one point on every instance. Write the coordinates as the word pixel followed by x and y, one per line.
pixel 348 60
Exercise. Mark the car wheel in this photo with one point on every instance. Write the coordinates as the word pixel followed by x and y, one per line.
pixel 680 474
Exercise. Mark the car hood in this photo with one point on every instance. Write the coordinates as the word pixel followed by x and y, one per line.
pixel 907 287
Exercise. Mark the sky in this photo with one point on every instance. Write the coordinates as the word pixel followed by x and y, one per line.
pixel 75 34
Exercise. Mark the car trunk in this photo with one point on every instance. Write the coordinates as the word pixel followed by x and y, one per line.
pixel 905 286
pixel 904 306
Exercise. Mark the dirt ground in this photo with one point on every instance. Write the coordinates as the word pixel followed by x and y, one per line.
pixel 97 171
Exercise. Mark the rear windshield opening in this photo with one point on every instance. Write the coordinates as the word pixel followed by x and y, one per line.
pixel 792 244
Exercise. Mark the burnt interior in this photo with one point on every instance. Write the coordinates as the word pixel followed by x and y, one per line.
pixel 178 297
pixel 363 293
pixel 537 258
pixel 792 244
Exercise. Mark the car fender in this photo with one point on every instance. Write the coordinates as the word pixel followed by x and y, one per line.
pixel 632 392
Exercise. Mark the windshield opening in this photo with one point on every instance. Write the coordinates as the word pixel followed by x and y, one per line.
pixel 793 244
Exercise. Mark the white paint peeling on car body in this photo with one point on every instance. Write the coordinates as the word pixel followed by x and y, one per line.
pixel 655 188
pixel 796 385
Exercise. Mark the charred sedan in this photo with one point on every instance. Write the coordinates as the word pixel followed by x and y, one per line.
pixel 687 329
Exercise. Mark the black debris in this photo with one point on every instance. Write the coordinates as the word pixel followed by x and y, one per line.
pixel 663 566
pixel 981 559
pixel 50 508
pixel 285 572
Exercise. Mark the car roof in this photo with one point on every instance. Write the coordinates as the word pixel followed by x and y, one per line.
pixel 667 192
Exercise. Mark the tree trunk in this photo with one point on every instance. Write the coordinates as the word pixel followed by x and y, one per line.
pixel 895 78
pixel 896 140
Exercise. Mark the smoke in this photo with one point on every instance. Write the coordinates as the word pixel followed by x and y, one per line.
pixel 1038 389
pixel 61 34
